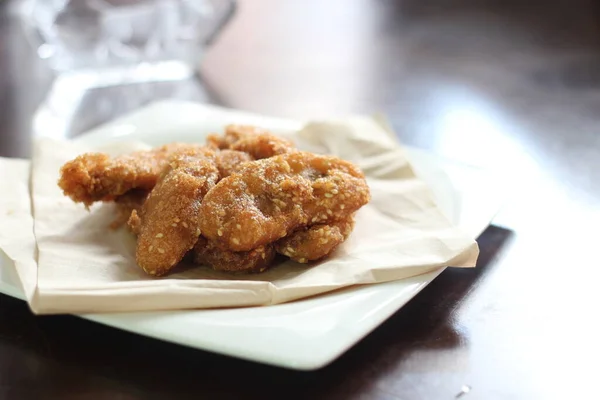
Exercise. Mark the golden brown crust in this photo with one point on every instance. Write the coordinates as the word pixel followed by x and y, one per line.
pixel 257 142
pixel 314 242
pixel 339 188
pixel 268 199
pixel 209 254
pixel 235 202
pixel 230 161
pixel 168 221
pixel 255 206
pixel 95 177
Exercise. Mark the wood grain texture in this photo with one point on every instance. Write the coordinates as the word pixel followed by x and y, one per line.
pixel 506 85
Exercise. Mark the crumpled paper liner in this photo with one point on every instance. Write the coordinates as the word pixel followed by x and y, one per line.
pixel 69 261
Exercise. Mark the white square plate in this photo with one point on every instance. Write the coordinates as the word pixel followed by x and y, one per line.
pixel 306 334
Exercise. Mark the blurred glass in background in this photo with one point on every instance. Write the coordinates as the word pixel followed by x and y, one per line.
pixel 123 46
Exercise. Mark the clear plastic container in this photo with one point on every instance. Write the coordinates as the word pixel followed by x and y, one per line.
pixel 123 41
pixel 113 56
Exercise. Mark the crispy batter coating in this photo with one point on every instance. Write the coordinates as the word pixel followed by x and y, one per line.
pixel 208 253
pixel 268 199
pixel 235 202
pixel 230 161
pixel 314 242
pixel 168 221
pixel 255 206
pixel 128 203
pixel 216 142
pixel 257 142
pixel 95 177
pixel 134 223
pixel 339 187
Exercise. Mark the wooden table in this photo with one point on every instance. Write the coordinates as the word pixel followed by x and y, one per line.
pixel 510 86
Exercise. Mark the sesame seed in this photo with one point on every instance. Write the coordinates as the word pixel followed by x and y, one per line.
pixel 159 235
pixel 328 195
pixel 342 206
pixel 220 232
pixel 173 224
pixel 302 260
pixel 161 250
pixel 235 240
pixel 185 225
pixel 150 248
pixel 329 212
pixel 238 226
pixel 176 220
pixel 334 191
pixel 263 255
pixel 198 232
pixel 289 250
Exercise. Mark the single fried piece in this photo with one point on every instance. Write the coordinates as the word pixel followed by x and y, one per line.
pixel 339 187
pixel 314 242
pixel 168 221
pixel 268 199
pixel 230 161
pixel 208 253
pixel 257 142
pixel 255 206
pixel 95 177
pixel 128 203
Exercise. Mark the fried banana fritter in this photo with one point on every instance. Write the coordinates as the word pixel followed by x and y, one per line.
pixel 256 260
pixel 95 177
pixel 314 242
pixel 167 225
pixel 255 206
pixel 339 187
pixel 230 161
pixel 233 203
pixel 269 199
pixel 257 142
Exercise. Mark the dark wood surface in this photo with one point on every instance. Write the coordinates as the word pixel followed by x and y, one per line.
pixel 508 85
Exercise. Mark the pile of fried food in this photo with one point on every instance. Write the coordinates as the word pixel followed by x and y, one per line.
pixel 232 204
